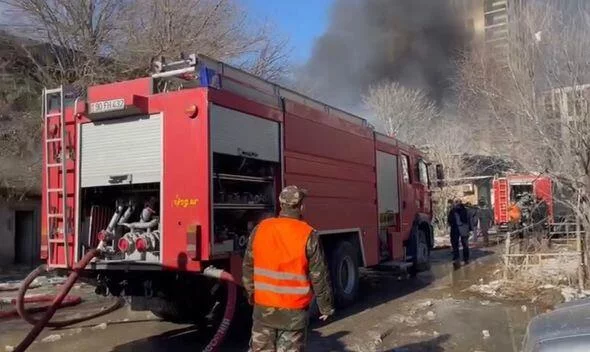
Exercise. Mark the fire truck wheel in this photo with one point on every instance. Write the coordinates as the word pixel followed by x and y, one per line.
pixel 421 260
pixel 344 273
pixel 170 312
pixel 176 311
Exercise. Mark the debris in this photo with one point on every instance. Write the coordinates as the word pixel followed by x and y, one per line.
pixel 57 280
pixel 523 308
pixel 435 333
pixel 491 289
pixel 569 293
pixel 126 319
pixel 424 304
pixel 375 336
pixel 102 326
pixel 418 333
pixel 430 315
pixel 486 334
pixel 52 338
pixel 396 318
pixel 548 298
pixel 485 303
pixel 411 321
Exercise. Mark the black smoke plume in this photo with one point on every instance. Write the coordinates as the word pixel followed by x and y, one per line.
pixel 411 41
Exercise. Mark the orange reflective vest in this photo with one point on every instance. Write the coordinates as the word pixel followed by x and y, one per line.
pixel 280 264
pixel 514 213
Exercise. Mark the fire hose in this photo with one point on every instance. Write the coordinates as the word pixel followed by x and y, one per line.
pixel 230 307
pixel 40 324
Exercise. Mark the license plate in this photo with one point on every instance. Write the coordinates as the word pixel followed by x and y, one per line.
pixel 107 105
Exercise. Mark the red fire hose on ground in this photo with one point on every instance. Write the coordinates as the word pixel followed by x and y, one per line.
pixel 62 300
pixel 68 301
pixel 39 324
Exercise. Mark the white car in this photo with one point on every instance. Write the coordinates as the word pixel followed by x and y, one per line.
pixel 566 329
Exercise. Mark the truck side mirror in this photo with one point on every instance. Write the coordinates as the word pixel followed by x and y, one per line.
pixel 440 175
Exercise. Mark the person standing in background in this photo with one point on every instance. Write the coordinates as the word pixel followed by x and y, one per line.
pixel 460 224
pixel 485 218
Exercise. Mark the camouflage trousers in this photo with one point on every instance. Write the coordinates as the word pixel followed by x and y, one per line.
pixel 267 339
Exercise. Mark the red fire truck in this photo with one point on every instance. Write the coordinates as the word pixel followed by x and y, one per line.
pixel 510 188
pixel 168 174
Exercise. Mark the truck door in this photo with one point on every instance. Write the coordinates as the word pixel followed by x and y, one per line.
pixel 542 187
pixel 421 187
pixel 407 197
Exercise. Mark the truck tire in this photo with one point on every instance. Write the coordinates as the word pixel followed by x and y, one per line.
pixel 344 273
pixel 172 312
pixel 421 259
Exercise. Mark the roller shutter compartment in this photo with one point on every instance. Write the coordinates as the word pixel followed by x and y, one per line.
pixel 240 134
pixel 121 151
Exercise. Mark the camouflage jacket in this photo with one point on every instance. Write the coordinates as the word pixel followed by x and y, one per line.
pixel 290 319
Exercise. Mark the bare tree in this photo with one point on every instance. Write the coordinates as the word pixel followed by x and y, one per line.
pixel 68 41
pixel 217 28
pixel 271 62
pixel 405 112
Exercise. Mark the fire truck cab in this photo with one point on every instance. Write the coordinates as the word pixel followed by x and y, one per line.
pixel 169 174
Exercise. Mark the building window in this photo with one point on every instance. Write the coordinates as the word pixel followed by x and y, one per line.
pixel 494 5
pixel 496 18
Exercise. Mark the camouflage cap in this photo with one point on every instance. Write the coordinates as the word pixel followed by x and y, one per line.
pixel 292 195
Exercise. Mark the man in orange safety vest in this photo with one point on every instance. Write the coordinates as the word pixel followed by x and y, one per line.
pixel 283 268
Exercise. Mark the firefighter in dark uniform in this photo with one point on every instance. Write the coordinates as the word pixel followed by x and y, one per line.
pixel 460 223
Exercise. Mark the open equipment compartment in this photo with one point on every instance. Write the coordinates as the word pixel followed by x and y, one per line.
pixel 244 177
pixel 120 188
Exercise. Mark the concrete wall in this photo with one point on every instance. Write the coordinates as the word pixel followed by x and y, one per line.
pixel 9 232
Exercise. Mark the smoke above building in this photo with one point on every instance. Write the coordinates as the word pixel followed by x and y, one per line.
pixel 413 42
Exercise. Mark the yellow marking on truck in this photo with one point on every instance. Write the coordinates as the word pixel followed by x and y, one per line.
pixel 185 202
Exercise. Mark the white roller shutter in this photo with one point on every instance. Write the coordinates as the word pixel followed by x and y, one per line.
pixel 120 151
pixel 236 133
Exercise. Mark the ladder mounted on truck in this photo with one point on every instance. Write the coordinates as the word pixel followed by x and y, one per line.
pixel 502 199
pixel 55 159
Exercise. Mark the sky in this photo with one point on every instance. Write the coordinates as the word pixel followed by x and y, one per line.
pixel 302 21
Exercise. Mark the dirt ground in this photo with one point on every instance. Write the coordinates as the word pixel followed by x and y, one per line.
pixel 433 313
